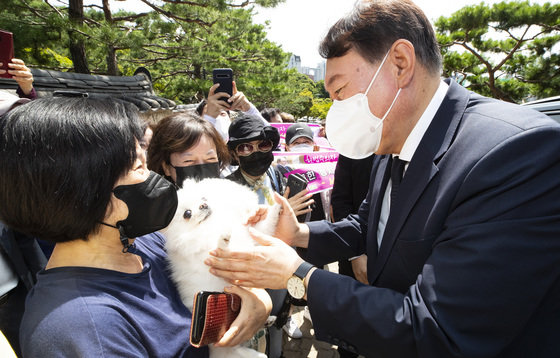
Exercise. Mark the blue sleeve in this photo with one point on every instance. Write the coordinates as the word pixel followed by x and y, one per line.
pixel 329 242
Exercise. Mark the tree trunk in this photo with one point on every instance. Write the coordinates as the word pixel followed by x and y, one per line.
pixel 197 73
pixel 112 68
pixel 77 47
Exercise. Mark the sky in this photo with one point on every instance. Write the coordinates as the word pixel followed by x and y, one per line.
pixel 299 25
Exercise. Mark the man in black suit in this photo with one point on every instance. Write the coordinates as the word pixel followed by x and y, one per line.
pixel 461 224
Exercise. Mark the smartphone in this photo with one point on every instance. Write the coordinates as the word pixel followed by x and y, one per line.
pixel 296 183
pixel 223 76
pixel 6 51
pixel 221 308
pixel 199 310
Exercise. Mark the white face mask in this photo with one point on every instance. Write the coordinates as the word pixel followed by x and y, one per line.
pixel 351 127
pixel 301 148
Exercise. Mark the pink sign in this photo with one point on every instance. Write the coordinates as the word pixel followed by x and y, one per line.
pixel 317 167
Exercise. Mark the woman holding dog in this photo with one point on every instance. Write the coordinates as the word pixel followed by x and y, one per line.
pixel 105 290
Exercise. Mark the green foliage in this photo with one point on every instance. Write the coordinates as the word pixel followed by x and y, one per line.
pixel 507 51
pixel 320 91
pixel 178 43
pixel 320 108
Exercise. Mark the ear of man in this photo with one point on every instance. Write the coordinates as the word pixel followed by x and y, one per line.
pixel 404 60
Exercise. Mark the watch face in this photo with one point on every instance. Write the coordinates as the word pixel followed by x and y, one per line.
pixel 296 288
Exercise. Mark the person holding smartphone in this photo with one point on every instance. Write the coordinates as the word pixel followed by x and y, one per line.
pixel 23 76
pixel 21 256
pixel 216 108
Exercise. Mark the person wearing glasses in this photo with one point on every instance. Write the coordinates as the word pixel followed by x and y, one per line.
pixel 251 143
pixel 216 110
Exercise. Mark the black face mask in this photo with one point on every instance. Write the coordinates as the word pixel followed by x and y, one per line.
pixel 151 206
pixel 257 163
pixel 197 172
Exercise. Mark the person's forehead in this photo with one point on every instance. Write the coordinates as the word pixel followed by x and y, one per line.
pixel 343 68
pixel 205 145
pixel 303 139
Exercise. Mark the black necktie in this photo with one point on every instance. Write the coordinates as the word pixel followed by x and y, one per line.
pixel 397 168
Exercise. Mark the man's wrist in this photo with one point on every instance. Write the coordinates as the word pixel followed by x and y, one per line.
pixel 306 281
pixel 301 239
pixel 355 257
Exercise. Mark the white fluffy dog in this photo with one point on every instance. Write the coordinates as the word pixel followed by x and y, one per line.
pixel 211 214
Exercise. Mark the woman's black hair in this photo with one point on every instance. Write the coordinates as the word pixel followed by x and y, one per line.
pixel 59 161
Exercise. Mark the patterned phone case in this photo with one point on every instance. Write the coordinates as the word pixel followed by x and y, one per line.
pixel 220 311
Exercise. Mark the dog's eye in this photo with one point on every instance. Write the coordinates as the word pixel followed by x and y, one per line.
pixel 203 206
pixel 187 214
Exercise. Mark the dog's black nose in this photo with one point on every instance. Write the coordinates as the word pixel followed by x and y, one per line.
pixel 203 206
pixel 187 214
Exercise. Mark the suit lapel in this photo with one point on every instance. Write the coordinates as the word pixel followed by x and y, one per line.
pixel 421 170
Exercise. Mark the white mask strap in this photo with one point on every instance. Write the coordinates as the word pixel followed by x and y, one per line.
pixel 391 106
pixel 377 72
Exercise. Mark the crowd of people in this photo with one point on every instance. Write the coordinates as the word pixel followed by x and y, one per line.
pixel 443 214
pixel 75 263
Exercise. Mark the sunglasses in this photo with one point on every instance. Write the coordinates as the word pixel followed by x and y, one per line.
pixel 245 149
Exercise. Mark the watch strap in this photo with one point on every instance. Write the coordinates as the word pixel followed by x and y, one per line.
pixel 303 269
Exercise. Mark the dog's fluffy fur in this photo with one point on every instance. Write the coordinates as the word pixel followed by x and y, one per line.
pixel 211 214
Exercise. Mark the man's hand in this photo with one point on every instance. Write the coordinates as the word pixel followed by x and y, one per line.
pixel 255 309
pixel 269 265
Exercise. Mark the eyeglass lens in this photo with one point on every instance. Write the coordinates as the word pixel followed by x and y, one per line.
pixel 248 148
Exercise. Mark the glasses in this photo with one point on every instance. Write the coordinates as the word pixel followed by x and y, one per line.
pixel 245 149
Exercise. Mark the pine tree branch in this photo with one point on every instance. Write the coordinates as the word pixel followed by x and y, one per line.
pixel 179 18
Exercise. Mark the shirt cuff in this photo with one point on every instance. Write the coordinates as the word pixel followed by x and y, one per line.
pixel 32 95
pixel 253 111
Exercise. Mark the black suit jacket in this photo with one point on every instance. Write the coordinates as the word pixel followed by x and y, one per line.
pixel 351 178
pixel 469 265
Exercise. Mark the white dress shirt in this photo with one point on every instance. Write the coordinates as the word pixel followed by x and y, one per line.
pixel 408 149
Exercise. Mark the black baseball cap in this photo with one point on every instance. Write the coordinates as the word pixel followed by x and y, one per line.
pixel 296 131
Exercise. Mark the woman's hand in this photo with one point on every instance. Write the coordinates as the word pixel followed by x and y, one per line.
pixel 21 74
pixel 300 202
pixel 258 215
pixel 215 104
pixel 288 228
pixel 238 100
pixel 255 309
